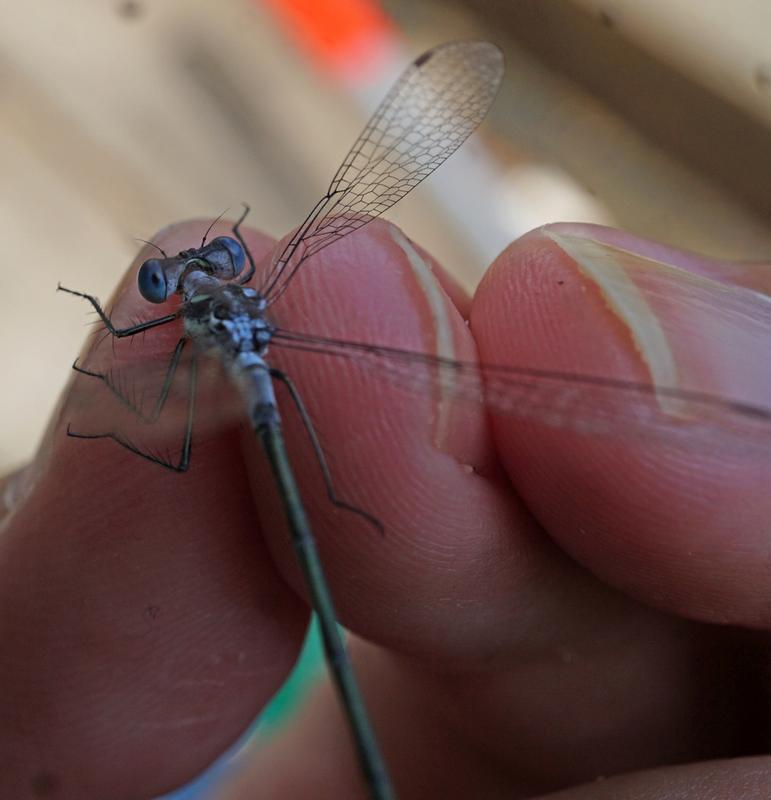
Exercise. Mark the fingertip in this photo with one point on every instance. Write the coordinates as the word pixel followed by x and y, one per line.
pixel 130 587
pixel 399 448
pixel 644 505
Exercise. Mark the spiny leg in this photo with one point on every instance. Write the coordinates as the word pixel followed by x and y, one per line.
pixel 237 233
pixel 120 333
pixel 320 457
pixel 184 460
pixel 162 397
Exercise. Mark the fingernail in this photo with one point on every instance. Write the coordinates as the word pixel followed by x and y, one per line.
pixel 693 331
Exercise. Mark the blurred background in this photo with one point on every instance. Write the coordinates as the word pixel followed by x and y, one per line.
pixel 118 117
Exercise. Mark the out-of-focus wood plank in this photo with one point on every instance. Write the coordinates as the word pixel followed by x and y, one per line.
pixel 714 137
pixel 548 116
pixel 723 46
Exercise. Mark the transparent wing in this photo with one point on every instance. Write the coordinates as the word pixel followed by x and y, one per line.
pixel 427 115
pixel 125 404
pixel 139 392
pixel 588 404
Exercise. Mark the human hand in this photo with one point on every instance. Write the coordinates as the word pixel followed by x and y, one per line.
pixel 513 647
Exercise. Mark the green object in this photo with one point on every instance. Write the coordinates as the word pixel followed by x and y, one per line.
pixel 279 712
pixel 290 696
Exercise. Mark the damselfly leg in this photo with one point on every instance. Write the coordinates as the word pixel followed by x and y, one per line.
pixel 132 404
pixel 319 452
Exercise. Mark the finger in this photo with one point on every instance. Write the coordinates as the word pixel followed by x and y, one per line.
pixel 714 779
pixel 539 725
pixel 678 519
pixel 747 778
pixel 462 573
pixel 460 561
pixel 426 757
pixel 139 608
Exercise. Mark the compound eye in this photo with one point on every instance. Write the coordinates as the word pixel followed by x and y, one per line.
pixel 152 281
pixel 234 249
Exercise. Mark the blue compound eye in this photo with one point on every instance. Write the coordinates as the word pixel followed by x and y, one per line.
pixel 236 252
pixel 152 281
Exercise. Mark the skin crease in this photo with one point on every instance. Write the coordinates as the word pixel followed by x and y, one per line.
pixel 503 651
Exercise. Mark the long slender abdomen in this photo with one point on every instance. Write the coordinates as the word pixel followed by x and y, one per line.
pixel 252 375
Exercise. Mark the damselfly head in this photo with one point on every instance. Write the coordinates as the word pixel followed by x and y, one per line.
pixel 158 278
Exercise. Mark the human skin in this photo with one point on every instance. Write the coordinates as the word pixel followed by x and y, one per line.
pixel 544 608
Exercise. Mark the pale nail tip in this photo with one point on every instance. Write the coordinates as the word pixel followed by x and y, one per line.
pixel 444 341
pixel 603 265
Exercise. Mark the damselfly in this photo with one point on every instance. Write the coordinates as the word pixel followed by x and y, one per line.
pixel 427 115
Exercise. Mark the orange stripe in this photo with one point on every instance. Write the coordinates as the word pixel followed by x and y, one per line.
pixel 341 34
